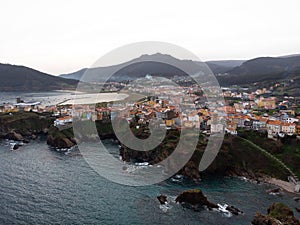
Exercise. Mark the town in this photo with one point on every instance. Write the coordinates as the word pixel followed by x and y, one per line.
pixel 181 107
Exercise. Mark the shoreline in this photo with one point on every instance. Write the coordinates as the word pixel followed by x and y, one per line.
pixel 284 185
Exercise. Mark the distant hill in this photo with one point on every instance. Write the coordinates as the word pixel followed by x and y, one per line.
pixel 228 72
pixel 223 66
pixel 139 67
pixel 21 78
pixel 262 69
pixel 75 75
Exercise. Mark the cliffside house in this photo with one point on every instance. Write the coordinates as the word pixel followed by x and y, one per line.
pixel 259 124
pixel 216 128
pixel 63 121
pixel 273 128
pixel 231 127
pixel 288 128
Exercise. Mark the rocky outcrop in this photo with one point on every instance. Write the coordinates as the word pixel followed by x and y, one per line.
pixel 161 152
pixel 61 138
pixel 14 136
pixel 278 214
pixel 60 142
pixel 194 198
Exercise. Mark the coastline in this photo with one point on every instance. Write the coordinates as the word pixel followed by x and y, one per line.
pixel 41 124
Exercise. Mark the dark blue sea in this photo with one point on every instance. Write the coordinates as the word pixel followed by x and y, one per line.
pixel 39 185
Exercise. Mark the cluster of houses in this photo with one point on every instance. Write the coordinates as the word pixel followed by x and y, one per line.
pixel 184 108
pixel 240 115
pixel 22 106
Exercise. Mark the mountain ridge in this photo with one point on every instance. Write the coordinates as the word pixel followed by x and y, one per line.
pixel 228 72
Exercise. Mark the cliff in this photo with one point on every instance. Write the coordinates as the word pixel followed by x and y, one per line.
pixel 19 126
pixel 236 157
pixel 65 138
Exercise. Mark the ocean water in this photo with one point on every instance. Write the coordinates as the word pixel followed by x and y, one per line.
pixel 41 186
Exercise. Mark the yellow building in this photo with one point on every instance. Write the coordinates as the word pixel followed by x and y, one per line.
pixel 170 123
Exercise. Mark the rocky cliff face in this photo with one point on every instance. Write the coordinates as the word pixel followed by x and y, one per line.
pixel 61 139
pixel 235 157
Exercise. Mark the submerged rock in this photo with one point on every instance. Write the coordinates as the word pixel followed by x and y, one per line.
pixel 195 198
pixel 278 214
pixel 162 199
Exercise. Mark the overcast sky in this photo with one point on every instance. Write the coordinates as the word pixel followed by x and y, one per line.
pixel 63 36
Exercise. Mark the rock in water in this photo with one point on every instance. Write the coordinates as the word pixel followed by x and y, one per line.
pixel 278 214
pixel 297 199
pixel 261 219
pixel 274 191
pixel 234 210
pixel 195 198
pixel 60 142
pixel 162 199
pixel 16 146
pixel 26 141
pixel 14 136
pixel 33 137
